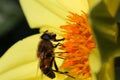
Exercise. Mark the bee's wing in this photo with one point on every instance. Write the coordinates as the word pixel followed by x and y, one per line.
pixel 39 63
pixel 39 74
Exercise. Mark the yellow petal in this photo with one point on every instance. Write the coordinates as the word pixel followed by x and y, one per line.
pixel 107 71
pixel 21 53
pixel 24 72
pixel 112 10
pixel 28 72
pixel 93 3
pixel 75 6
pixel 20 62
pixel 53 12
pixel 38 15
pixel 95 61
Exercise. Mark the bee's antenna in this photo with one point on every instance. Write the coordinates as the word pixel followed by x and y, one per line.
pixel 46 31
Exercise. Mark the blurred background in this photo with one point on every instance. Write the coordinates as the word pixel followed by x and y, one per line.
pixel 14 27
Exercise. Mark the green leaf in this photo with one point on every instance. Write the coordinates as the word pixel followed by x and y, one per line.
pixel 8 16
pixel 104 23
pixel 105 30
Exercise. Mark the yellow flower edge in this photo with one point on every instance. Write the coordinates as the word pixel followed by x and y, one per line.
pixel 37 15
pixel 95 61
pixel 40 13
pixel 20 62
pixel 22 52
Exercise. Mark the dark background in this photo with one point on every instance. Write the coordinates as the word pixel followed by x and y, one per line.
pixel 14 27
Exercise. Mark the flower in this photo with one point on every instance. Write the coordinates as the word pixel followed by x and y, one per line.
pixel 20 61
pixel 79 43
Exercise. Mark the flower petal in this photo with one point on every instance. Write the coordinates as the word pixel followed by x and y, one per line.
pixel 20 61
pixel 52 13
pixel 112 6
pixel 75 6
pixel 21 53
pixel 29 72
pixel 95 61
pixel 23 72
pixel 39 13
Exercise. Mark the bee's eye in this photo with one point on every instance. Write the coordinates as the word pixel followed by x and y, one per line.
pixel 45 36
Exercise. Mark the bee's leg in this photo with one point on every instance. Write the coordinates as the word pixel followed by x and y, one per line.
pixel 53 59
pixel 57 56
pixel 61 52
pixel 60 72
pixel 65 73
pixel 60 57
pixel 57 45
pixel 55 65
pixel 56 40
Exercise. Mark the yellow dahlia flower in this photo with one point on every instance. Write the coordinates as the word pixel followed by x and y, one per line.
pixel 82 25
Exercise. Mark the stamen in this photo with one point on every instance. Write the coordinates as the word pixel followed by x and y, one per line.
pixel 78 43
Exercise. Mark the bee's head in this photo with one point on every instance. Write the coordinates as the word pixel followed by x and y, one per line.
pixel 48 36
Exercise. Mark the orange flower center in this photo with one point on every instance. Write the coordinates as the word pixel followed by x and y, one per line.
pixel 78 43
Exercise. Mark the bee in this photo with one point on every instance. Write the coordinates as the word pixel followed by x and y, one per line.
pixel 47 55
